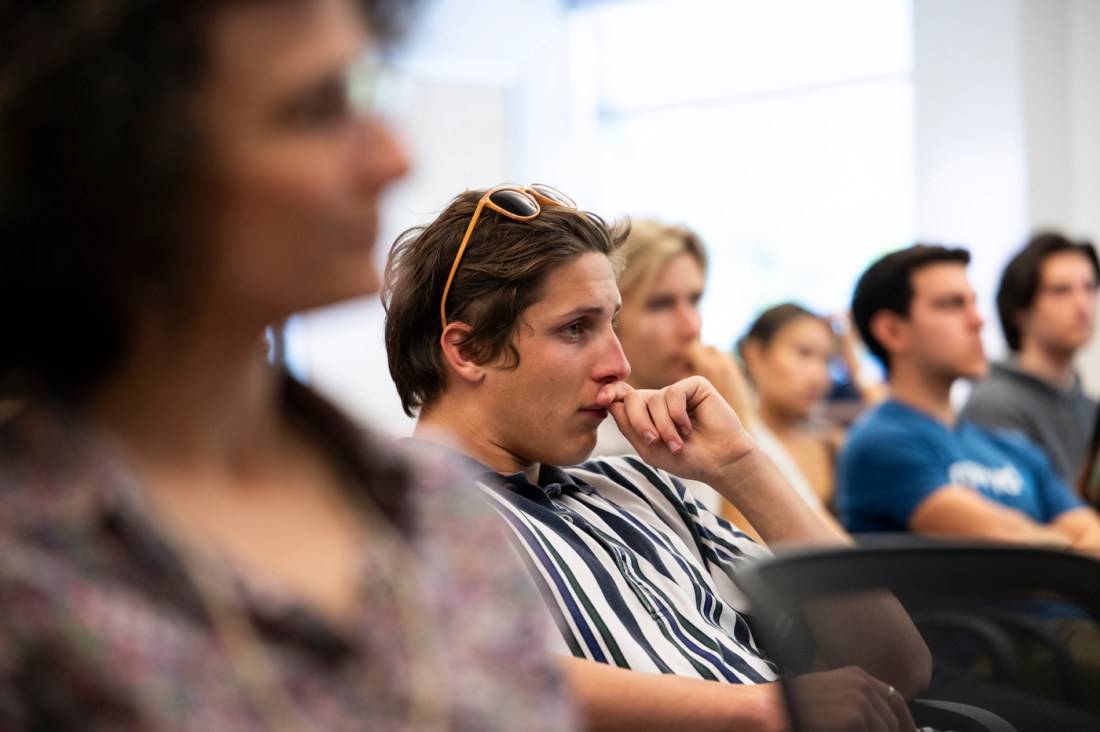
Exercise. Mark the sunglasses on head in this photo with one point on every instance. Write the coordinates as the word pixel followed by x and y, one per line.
pixel 521 203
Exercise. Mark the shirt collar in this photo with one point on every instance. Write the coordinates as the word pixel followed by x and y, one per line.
pixel 1012 366
pixel 552 481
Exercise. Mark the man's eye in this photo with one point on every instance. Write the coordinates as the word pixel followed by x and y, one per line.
pixel 574 329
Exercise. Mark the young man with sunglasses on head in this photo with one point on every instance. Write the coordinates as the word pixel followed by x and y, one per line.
pixel 500 334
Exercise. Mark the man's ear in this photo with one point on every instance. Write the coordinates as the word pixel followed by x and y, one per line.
pixel 891 330
pixel 458 355
pixel 1022 321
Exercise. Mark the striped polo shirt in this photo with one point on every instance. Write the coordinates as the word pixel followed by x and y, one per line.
pixel 641 574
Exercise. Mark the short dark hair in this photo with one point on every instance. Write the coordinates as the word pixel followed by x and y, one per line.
pixel 888 285
pixel 1020 279
pixel 99 171
pixel 501 274
pixel 768 324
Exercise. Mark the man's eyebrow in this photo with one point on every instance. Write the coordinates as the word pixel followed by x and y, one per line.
pixel 590 310
pixel 952 297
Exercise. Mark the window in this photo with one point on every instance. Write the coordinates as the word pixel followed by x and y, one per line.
pixel 782 132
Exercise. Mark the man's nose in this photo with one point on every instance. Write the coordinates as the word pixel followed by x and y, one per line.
pixel 613 365
pixel 976 319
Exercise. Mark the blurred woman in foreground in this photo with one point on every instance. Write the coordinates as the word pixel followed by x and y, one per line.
pixel 190 539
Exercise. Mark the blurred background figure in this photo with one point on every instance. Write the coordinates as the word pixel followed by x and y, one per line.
pixel 1047 306
pixel 1088 480
pixel 190 538
pixel 659 326
pixel 787 352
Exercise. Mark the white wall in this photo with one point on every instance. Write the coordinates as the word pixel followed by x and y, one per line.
pixel 1082 41
pixel 971 166
pixel 1008 131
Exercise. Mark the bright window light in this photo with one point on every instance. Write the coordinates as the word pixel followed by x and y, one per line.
pixel 782 132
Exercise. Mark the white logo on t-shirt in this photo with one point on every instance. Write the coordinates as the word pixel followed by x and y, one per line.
pixel 1004 481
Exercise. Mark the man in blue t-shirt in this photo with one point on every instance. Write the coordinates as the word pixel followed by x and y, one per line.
pixel 911 464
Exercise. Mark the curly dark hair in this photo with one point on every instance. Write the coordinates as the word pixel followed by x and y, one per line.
pixel 99 174
pixel 501 274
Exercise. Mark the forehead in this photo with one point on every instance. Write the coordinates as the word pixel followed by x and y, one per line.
pixel 1065 264
pixel 804 327
pixel 679 273
pixel 938 279
pixel 679 270
pixel 276 46
pixel 586 283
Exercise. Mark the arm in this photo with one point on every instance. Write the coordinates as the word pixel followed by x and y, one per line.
pixel 960 511
pixel 1082 527
pixel 619 699
pixel 613 699
pixel 724 373
pixel 688 429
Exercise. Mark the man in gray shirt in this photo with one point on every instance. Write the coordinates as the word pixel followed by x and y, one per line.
pixel 1047 306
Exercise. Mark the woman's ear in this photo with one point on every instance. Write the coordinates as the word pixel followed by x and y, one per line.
pixel 458 355
pixel 750 356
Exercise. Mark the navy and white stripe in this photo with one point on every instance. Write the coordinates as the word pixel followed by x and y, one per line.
pixel 642 574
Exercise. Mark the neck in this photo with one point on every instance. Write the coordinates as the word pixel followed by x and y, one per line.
pixel 1053 367
pixel 204 399
pixel 453 422
pixel 925 392
pixel 777 420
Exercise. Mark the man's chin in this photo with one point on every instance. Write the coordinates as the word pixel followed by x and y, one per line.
pixel 578 452
pixel 977 371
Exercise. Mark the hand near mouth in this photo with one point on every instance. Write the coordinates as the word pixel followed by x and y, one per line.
pixel 687 428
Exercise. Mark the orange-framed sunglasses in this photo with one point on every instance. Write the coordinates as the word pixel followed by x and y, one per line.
pixel 521 203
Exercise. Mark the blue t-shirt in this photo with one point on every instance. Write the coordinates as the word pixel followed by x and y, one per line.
pixel 895 457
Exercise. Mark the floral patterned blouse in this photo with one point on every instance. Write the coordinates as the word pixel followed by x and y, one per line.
pixel 102 627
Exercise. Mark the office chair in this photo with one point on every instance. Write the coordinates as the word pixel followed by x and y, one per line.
pixel 985 611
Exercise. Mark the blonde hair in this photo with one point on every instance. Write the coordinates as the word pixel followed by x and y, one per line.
pixel 649 247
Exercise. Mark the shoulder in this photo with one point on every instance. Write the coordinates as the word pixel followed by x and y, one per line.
pixel 996 396
pixel 487 603
pixel 1016 444
pixel 887 424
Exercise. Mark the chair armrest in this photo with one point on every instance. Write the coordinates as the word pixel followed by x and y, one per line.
pixel 945 715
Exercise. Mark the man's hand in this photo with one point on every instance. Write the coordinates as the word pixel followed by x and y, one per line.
pixel 848 699
pixel 687 429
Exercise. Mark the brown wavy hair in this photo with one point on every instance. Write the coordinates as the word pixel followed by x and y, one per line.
pixel 502 273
